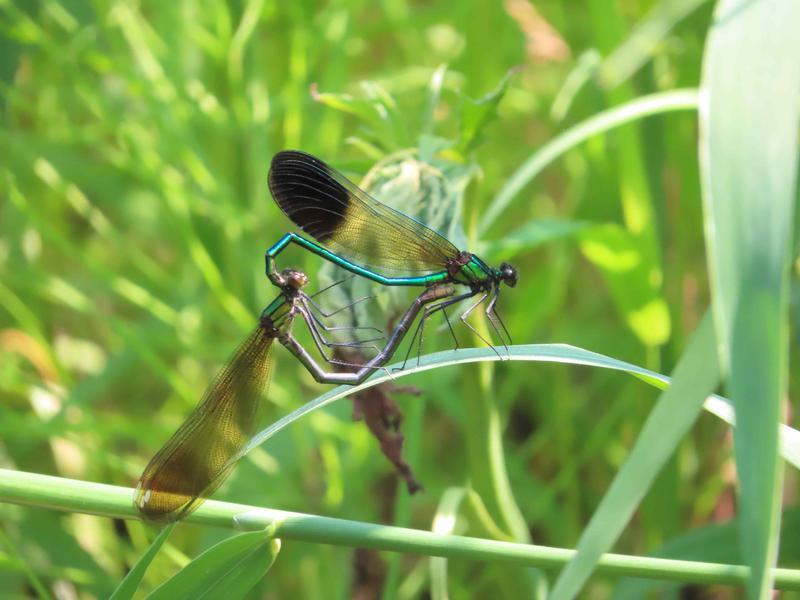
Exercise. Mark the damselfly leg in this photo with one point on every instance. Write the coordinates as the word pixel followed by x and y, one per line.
pixel 428 312
pixel 428 296
pixel 495 319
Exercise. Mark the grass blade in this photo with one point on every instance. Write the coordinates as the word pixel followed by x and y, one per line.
pixel 642 42
pixel 64 494
pixel 748 151
pixel 677 408
pixel 229 569
pixel 558 353
pixel 128 586
pixel 609 119
pixel 717 543
pixel 444 522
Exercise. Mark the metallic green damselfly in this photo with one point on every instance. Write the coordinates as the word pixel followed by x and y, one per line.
pixel 364 236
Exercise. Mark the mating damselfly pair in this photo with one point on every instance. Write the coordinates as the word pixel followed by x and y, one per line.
pixel 356 232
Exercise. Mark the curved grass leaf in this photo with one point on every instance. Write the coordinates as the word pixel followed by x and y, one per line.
pixel 653 104
pixel 749 153
pixel 642 42
pixel 128 586
pixel 584 71
pixel 228 570
pixel 551 353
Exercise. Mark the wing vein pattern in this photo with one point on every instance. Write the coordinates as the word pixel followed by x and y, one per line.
pixel 351 223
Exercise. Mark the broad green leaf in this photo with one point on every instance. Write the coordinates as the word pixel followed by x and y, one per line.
pixel 695 377
pixel 227 570
pixel 128 586
pixel 748 149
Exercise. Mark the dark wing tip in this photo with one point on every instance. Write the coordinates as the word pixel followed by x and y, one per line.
pixel 288 162
pixel 307 192
pixel 285 156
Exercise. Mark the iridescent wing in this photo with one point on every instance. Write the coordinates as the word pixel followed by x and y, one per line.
pixel 351 223
pixel 197 458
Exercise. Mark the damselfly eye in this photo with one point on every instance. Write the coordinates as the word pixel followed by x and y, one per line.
pixel 508 274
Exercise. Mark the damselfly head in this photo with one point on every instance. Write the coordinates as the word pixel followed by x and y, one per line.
pixel 508 274
pixel 294 279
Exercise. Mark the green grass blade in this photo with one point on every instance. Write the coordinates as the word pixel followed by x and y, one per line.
pixel 609 119
pixel 128 586
pixel 677 408
pixel 32 489
pixel 229 569
pixel 748 149
pixel 642 42
pixel 413 420
pixel 444 522
pixel 719 543
pixel 635 192
pixel 34 581
pixel 557 353
pixel 454 501
pixel 434 95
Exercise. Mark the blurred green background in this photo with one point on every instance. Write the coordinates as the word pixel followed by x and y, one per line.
pixel 134 214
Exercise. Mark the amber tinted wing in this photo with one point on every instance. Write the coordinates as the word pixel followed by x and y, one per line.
pixel 351 223
pixel 197 458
